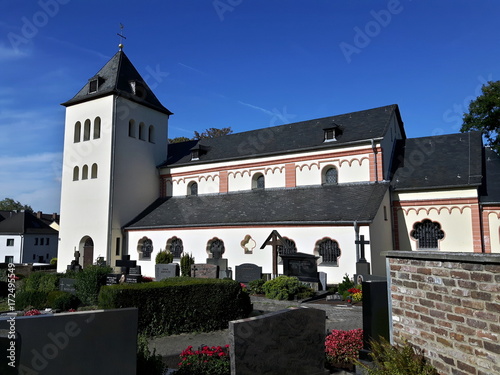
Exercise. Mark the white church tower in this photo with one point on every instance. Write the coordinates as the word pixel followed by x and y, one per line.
pixel 115 137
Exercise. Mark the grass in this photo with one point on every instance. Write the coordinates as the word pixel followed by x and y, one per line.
pixel 4 306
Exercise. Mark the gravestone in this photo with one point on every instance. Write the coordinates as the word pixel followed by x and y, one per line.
pixel 322 280
pixel 303 266
pixel 135 270
pixel 221 263
pixel 113 278
pixel 376 321
pixel 125 264
pixel 283 342
pixel 247 272
pixel 165 271
pixel 133 279
pixel 75 264
pixel 204 271
pixel 67 285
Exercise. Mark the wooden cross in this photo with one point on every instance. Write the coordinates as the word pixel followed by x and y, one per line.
pixel 274 240
pixel 362 244
pixel 126 263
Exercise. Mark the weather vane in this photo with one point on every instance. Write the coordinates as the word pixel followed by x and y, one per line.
pixel 120 34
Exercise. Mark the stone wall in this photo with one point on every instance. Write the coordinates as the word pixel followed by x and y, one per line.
pixel 448 304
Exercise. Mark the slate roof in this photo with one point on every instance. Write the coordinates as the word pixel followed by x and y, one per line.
pixel 327 204
pixel 24 223
pixel 491 192
pixel 115 78
pixel 452 160
pixel 300 136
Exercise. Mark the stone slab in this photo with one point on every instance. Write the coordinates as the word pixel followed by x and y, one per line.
pixel 135 270
pixel 204 271
pixel 112 279
pixel 247 272
pixel 301 265
pixel 67 285
pixel 221 262
pixel 80 343
pixel 283 342
pixel 165 271
pixel 323 280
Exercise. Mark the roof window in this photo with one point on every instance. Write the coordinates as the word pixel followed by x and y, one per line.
pixel 94 84
pixel 332 132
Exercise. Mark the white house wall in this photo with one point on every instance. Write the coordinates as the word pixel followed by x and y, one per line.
pixel 196 240
pixel 14 250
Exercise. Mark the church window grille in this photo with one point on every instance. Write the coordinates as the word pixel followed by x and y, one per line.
pixel 86 130
pixel 131 129
pixel 331 176
pixel 76 173
pixel 427 233
pixel 193 188
pixel 85 172
pixel 145 248
pixel 151 135
pixel 176 247
pixel 97 128
pixel 93 173
pixel 217 248
pixel 287 247
pixel 78 131
pixel 142 131
pixel 330 252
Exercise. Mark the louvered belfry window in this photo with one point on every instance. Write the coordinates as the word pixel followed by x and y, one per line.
pixel 330 251
pixel 427 233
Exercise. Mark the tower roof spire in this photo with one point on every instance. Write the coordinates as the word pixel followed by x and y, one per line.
pixel 120 34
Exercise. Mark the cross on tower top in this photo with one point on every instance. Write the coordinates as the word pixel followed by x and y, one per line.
pixel 120 34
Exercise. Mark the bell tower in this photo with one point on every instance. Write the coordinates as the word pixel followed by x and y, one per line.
pixel 115 136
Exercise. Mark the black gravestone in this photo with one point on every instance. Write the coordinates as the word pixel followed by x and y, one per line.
pixel 301 265
pixel 133 279
pixel 112 279
pixel 67 285
pixel 135 270
pixel 247 272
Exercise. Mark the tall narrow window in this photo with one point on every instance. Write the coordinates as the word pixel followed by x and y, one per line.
pixel 131 129
pixel 142 131
pixel 10 242
pixel 86 130
pixel 78 132
pixel 85 172
pixel 258 181
pixel 330 175
pixel 97 128
pixel 117 250
pixel 76 173
pixel 151 135
pixel 93 173
pixel 427 233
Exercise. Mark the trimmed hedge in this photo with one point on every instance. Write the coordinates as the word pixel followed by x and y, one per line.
pixel 35 298
pixel 180 304
pixel 62 300
pixel 42 281
pixel 89 282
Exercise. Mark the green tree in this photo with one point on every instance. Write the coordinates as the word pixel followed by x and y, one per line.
pixel 179 139
pixel 212 133
pixel 9 204
pixel 484 114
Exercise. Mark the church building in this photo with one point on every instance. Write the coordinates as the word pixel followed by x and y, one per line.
pixel 327 186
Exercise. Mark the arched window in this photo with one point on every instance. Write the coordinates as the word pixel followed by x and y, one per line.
pixel 193 188
pixel 93 173
pixel 175 246
pixel 427 233
pixel 97 128
pixel 86 130
pixel 216 248
pixel 258 181
pixel 329 250
pixel 78 132
pixel 76 173
pixel 330 175
pixel 145 248
pixel 85 172
pixel 151 135
pixel 287 247
pixel 142 131
pixel 131 128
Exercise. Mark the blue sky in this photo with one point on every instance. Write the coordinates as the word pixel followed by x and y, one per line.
pixel 247 64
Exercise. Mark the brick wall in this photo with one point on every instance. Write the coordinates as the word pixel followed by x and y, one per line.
pixel 448 304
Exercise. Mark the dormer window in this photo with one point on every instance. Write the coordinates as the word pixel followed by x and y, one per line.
pixel 93 86
pixel 197 151
pixel 137 89
pixel 331 133
pixel 195 154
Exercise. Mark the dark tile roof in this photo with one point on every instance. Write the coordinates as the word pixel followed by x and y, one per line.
pixel 24 223
pixel 328 204
pixel 299 136
pixel 491 192
pixel 453 160
pixel 115 78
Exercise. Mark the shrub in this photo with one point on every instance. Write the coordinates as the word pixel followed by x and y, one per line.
pixel 389 359
pixel 305 292
pixel 62 300
pixel 148 362
pixel 186 261
pixel 256 286
pixel 345 285
pixel 89 282
pixel 53 262
pixel 342 347
pixel 164 257
pixel 282 288
pixel 205 361
pixel 35 298
pixel 180 304
pixel 42 281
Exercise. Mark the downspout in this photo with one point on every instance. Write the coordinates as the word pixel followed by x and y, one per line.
pixel 22 249
pixel 356 236
pixel 374 148
pixel 111 184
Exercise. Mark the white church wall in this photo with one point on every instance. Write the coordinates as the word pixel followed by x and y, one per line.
pixel 494 225
pixel 381 238
pixel 274 176
pixel 196 240
pixel 307 173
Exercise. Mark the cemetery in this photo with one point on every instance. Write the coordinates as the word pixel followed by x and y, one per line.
pixel 188 320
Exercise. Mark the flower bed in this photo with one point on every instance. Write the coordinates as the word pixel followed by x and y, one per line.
pixel 342 347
